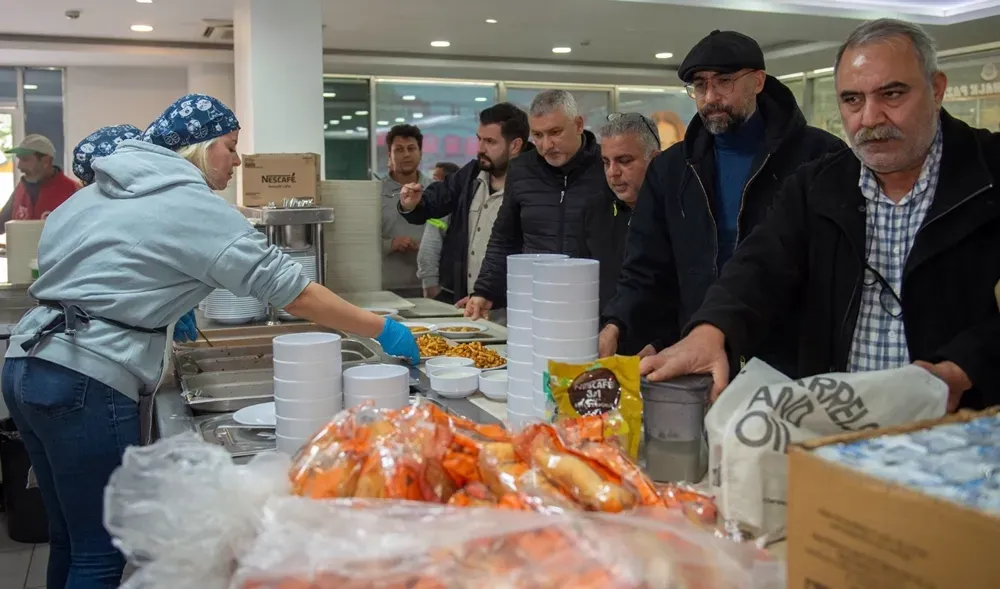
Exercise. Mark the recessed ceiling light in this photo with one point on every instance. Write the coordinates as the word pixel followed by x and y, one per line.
pixel 400 120
pixel 409 97
pixel 440 43
pixel 334 122
pixel 664 55
pixel 491 21
pixel 418 115
pixel 31 86
pixel 481 99
pixel 823 70
pixel 325 127
pixel 349 131
pixel 329 95
pixel 382 123
pixel 562 49
pixel 144 1
pixel 347 117
pixel 142 28
pixel 361 113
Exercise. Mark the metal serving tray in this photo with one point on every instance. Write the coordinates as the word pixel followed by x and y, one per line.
pixel 223 392
pixel 242 358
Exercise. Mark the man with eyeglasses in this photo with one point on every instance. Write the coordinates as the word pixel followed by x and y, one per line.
pixel 891 254
pixel 702 196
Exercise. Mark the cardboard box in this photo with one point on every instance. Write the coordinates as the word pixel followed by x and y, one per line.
pixel 848 530
pixel 273 177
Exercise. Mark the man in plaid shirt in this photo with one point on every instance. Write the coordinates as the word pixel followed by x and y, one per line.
pixel 891 249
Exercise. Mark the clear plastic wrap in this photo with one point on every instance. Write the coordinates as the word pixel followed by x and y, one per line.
pixel 182 512
pixel 343 544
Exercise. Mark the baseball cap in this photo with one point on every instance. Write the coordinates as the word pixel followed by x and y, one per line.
pixel 724 52
pixel 33 144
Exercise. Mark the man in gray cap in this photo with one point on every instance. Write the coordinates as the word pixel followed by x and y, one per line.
pixel 43 186
pixel 702 196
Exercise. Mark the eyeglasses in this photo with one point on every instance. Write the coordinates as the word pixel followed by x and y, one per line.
pixel 723 85
pixel 887 297
pixel 634 115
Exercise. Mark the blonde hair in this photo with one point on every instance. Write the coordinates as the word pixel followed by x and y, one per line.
pixel 197 154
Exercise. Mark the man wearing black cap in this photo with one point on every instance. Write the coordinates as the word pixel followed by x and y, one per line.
pixel 702 196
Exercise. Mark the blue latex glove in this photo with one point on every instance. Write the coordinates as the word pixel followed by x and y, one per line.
pixel 397 340
pixel 186 329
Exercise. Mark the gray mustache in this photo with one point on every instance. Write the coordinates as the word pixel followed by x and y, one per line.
pixel 880 133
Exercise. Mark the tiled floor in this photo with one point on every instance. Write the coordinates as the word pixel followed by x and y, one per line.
pixel 22 565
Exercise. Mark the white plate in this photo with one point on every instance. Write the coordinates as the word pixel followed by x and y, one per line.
pixel 261 415
pixel 479 328
pixel 429 328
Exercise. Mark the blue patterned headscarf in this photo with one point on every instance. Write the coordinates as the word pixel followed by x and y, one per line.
pixel 191 119
pixel 100 143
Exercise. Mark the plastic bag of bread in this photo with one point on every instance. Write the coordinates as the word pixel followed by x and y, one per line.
pixel 395 545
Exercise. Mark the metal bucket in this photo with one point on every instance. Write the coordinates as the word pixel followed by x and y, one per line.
pixel 295 236
pixel 674 423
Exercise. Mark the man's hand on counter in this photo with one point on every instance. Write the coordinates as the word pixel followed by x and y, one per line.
pixel 957 380
pixel 607 340
pixel 404 244
pixel 478 308
pixel 703 351
pixel 410 195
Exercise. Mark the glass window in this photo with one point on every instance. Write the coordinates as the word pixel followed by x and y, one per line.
pixel 43 107
pixel 8 84
pixel 973 93
pixel 671 108
pixel 346 123
pixel 447 114
pixel 594 104
pixel 825 107
pixel 797 86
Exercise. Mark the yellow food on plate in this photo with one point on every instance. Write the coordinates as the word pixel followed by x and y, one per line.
pixel 460 329
pixel 431 345
pixel 483 357
pixel 416 329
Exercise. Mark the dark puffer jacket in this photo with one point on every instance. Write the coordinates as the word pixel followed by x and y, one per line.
pixel 542 212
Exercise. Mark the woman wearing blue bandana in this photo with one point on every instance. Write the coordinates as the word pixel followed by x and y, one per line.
pixel 125 257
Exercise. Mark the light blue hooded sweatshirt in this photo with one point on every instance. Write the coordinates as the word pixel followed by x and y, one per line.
pixel 143 246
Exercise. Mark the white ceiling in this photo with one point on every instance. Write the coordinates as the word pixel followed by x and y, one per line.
pixel 619 32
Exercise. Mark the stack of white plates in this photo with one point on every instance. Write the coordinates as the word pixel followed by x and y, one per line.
pixel 307 386
pixel 520 359
pixel 565 316
pixel 223 306
pixel 387 386
pixel 307 258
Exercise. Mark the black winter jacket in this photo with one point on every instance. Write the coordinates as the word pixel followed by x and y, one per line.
pixel 810 254
pixel 670 257
pixel 542 212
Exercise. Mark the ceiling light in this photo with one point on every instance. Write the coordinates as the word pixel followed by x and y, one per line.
pixel 335 122
pixel 31 86
pixel 361 113
pixel 481 99
pixel 400 120
pixel 440 43
pixel 325 127
pixel 562 49
pixel 329 95
pixel 142 28
pixel 791 76
pixel 823 70
pixel 418 115
pixel 144 1
pixel 347 117
pixel 664 55
pixel 349 131
pixel 409 97
pixel 362 129
pixel 491 21
pixel 382 123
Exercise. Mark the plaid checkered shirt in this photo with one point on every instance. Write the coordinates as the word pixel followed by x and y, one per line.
pixel 890 229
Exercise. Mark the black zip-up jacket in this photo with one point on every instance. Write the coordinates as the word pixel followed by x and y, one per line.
pixel 810 253
pixel 542 212
pixel 670 257
pixel 454 197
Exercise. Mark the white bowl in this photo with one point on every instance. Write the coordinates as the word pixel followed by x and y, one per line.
pixel 584 328
pixel 290 446
pixel 538 381
pixel 522 405
pixel 299 428
pixel 572 271
pixel 519 318
pixel 519 300
pixel 455 383
pixel 564 348
pixel 566 292
pixel 541 363
pixel 442 329
pixel 518 353
pixel 314 390
pixel 297 409
pixel 432 364
pixel 519 370
pixel 382 402
pixel 494 384
pixel 520 387
pixel 519 335
pixel 313 346
pixel 522 264
pixel 308 371
pixel 377 380
pixel 428 328
pixel 518 284
pixel 556 311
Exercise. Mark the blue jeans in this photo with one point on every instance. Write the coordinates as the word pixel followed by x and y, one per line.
pixel 75 430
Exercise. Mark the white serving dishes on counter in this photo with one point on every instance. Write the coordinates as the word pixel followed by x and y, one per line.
pixel 493 385
pixel 308 390
pixel 386 385
pixel 439 362
pixel 455 383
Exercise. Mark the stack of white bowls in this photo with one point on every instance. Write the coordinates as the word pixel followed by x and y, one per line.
pixel 565 317
pixel 387 386
pixel 307 386
pixel 520 358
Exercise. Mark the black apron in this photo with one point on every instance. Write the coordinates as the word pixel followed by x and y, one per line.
pixel 71 317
